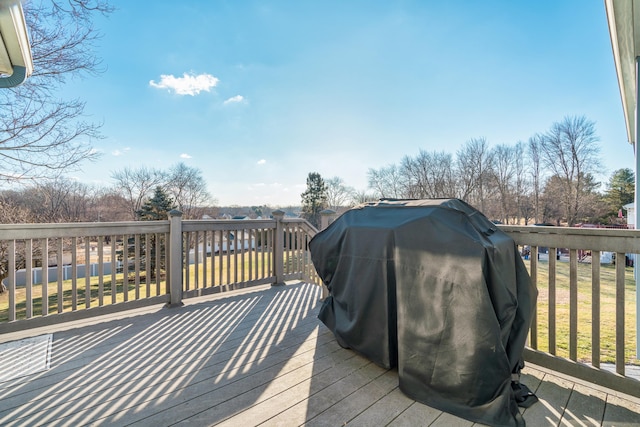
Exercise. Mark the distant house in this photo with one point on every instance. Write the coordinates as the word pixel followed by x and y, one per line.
pixel 240 240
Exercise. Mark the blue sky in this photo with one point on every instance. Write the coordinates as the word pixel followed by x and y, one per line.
pixel 257 94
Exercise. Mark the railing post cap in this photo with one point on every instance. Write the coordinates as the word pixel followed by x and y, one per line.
pixel 174 212
pixel 278 214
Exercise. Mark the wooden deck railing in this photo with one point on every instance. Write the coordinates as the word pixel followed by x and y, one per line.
pixel 585 324
pixel 61 272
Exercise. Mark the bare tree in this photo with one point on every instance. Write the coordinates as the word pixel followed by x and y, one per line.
pixel 474 165
pixel 52 201
pixel 387 182
pixel 359 197
pixel 188 189
pixel 522 191
pixel 466 173
pixel 42 134
pixel 76 206
pixel 10 213
pixel 338 194
pixel 61 200
pixel 429 174
pixel 504 170
pixel 135 185
pixel 106 205
pixel 412 170
pixel 570 151
pixel 536 173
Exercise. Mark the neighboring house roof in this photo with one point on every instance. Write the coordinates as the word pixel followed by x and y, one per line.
pixel 16 64
pixel 624 29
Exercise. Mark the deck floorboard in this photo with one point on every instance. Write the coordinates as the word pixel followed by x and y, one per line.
pixel 254 358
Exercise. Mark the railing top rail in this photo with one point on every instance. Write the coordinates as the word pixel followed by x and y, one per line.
pixel 577 231
pixel 227 224
pixel 294 220
pixel 78 229
pixel 304 224
pixel 602 239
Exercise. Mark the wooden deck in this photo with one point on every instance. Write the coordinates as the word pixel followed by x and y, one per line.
pixel 258 357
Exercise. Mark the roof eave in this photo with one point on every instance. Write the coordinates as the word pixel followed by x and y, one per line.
pixel 15 52
pixel 624 24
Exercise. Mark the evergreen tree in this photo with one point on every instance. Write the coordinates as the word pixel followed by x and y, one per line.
pixel 157 207
pixel 620 190
pixel 314 199
pixel 153 209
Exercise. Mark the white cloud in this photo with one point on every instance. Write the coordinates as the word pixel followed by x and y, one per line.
pixel 121 152
pixel 188 84
pixel 185 156
pixel 257 186
pixel 262 161
pixel 234 100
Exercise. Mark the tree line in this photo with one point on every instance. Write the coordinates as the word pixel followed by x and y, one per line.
pixel 65 200
pixel 548 179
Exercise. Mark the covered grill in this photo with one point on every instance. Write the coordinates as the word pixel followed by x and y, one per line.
pixel 433 288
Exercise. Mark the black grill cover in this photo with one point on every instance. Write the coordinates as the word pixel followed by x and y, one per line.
pixel 436 289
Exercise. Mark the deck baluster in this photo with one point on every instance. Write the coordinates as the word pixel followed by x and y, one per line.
pixel 595 309
pixel 573 305
pixel 620 319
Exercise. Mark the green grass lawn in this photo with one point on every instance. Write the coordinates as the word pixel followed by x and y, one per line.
pixel 607 311
pixel 224 268
pixel 123 293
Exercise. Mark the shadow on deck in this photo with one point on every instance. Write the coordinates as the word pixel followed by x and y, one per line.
pixel 258 357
